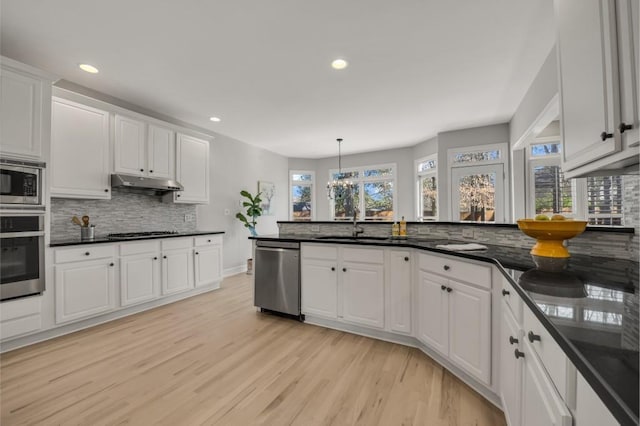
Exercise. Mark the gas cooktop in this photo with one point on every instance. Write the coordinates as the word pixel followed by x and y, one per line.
pixel 133 235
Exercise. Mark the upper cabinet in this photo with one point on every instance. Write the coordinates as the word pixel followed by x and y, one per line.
pixel 79 151
pixel 25 97
pixel 597 43
pixel 192 170
pixel 143 149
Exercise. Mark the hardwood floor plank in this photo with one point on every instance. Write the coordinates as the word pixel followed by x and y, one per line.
pixel 213 360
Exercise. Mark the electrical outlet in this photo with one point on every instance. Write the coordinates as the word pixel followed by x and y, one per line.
pixel 422 230
pixel 189 217
pixel 467 233
pixel 315 228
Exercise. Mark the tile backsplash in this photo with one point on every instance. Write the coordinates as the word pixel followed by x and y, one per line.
pixel 125 212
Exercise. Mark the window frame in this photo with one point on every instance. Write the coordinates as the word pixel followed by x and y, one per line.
pixel 360 181
pixel 418 176
pixel 311 183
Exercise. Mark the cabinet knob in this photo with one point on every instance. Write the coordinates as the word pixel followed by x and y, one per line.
pixel 518 354
pixel 512 340
pixel 344 269
pixel 111 264
pixel 142 170
pixel 406 258
pixel 333 268
pixel 178 195
pixel 164 257
pixel 449 289
pixel 208 241
pixel 87 253
pixel 197 253
pixel 505 292
pixel 624 126
pixel 106 190
pixel 155 258
pixel 443 287
pixel 446 267
pixel 150 171
pixel 533 337
pixel 604 136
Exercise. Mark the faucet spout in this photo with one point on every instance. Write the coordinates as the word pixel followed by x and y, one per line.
pixel 357 230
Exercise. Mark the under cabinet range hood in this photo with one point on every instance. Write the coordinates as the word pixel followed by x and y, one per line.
pixel 141 184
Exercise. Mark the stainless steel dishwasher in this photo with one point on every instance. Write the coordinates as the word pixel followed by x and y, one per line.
pixel 277 277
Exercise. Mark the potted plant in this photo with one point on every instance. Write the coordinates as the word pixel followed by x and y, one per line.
pixel 253 211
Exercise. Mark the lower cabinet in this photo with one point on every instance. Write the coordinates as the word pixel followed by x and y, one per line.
pixel 208 265
pixel 139 276
pixel 510 367
pixel 177 272
pixel 399 294
pixel 84 289
pixel 319 294
pixel 363 293
pixel 455 319
pixel 20 316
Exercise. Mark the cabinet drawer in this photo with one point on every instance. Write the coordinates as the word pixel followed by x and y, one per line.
pixel 313 251
pixel 13 309
pixel 512 300
pixel 176 243
pixel 20 326
pixel 553 358
pixel 457 269
pixel 83 253
pixel 207 240
pixel 350 254
pixel 128 249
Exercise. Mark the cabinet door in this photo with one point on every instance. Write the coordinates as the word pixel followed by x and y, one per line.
pixel 139 278
pixel 84 289
pixel 160 152
pixel 129 145
pixel 20 117
pixel 319 291
pixel 79 151
pixel 510 367
pixel 192 169
pixel 541 404
pixel 208 264
pixel 628 45
pixel 433 308
pixel 589 86
pixel 177 271
pixel 470 329
pixel 363 294
pixel 399 291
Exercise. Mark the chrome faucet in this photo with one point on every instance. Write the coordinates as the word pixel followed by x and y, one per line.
pixel 357 230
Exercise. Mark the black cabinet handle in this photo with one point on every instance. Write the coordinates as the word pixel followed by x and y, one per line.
pixel 164 257
pixel 449 289
pixel 197 253
pixel 155 258
pixel 518 354
pixel 344 269
pixel 533 337
pixel 111 264
pixel 333 268
pixel 178 195
pixel 604 136
pixel 443 287
pixel 106 190
pixel 406 258
pixel 87 253
pixel 623 126
pixel 446 267
pixel 505 292
pixel 142 170
pixel 208 241
pixel 150 171
pixel 512 340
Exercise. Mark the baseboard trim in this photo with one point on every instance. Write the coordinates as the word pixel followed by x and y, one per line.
pixel 234 270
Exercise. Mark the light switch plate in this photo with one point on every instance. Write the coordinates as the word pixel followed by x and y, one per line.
pixel 315 228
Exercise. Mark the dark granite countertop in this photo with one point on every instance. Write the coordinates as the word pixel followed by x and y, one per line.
pixel 591 309
pixel 105 239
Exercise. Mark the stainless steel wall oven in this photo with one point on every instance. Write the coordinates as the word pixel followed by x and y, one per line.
pixel 21 255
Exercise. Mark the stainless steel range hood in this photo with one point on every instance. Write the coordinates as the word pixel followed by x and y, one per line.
pixel 147 185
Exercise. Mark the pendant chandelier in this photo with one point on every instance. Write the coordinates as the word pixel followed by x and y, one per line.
pixel 338 188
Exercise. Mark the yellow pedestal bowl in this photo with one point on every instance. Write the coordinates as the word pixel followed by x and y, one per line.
pixel 550 235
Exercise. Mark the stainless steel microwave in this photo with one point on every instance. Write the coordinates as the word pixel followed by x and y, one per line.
pixel 21 184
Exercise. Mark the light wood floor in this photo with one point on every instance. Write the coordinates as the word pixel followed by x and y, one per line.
pixel 212 359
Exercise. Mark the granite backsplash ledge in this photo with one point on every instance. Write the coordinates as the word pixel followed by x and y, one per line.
pixel 618 245
pixel 125 212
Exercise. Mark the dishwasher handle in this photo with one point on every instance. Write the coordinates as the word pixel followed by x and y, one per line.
pixel 274 249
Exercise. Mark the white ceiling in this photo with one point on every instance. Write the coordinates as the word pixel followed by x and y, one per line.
pixel 417 67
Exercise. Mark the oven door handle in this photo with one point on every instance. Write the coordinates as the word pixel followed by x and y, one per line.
pixel 22 234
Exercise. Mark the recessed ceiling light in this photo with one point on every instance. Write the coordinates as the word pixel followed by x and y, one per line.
pixel 89 68
pixel 214 119
pixel 339 64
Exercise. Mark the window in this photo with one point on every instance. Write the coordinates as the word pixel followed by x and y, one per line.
pixel 597 199
pixel 427 188
pixel 302 197
pixel 373 193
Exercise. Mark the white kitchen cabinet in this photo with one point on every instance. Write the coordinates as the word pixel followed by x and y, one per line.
pixel 79 151
pixel 84 289
pixel 433 312
pixel 25 105
pixel 161 149
pixel 177 271
pixel 590 410
pixel 139 278
pixel 319 288
pixel 541 403
pixel 510 367
pixel 399 293
pixel 20 316
pixel 192 169
pixel 597 42
pixel 129 146
pixel 208 265
pixel 363 293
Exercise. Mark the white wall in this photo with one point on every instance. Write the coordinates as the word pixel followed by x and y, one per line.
pixel 236 166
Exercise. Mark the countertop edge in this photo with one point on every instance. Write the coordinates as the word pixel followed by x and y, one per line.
pixel 107 241
pixel 619 410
